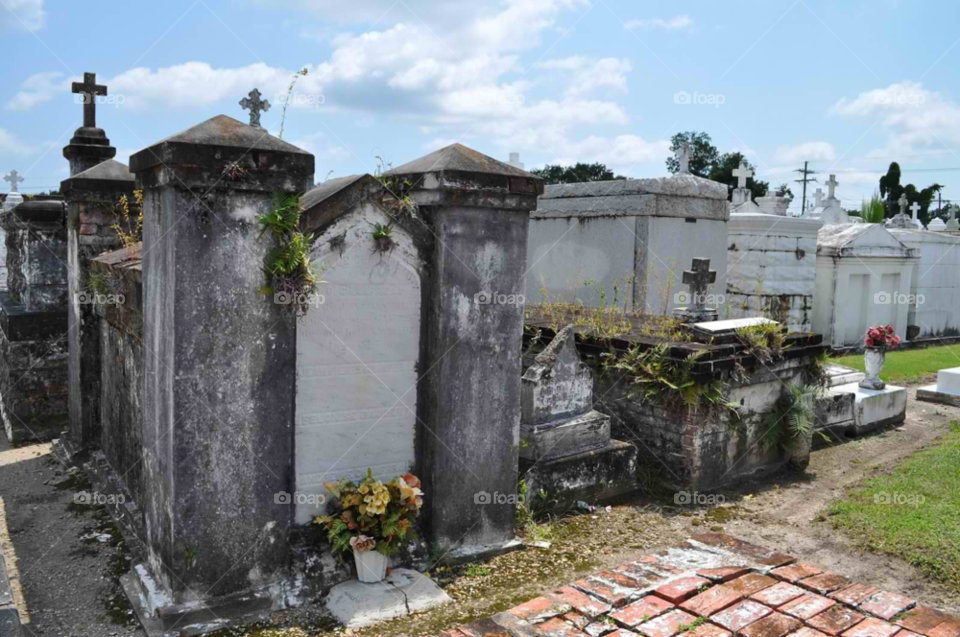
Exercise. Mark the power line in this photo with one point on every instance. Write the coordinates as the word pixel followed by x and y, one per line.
pixel 806 172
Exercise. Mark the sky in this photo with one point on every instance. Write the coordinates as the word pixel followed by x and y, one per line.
pixel 848 85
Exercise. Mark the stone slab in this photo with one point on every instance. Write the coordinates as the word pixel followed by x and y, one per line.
pixel 932 394
pixel 873 408
pixel 591 476
pixel 731 325
pixel 547 441
pixel 403 592
pixel 841 375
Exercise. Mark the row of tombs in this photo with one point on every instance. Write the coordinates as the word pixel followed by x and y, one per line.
pixel 218 412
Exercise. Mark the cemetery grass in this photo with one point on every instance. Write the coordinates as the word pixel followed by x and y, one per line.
pixel 887 514
pixel 910 365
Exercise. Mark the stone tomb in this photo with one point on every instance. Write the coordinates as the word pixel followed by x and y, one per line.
pixel 357 351
pixel 945 391
pixel 847 410
pixel 934 296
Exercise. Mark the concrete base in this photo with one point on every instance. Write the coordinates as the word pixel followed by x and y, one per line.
pixel 466 554
pixel 869 410
pixel 590 476
pixel 932 394
pixel 403 592
pixel 840 375
pixel 9 616
pixel 565 437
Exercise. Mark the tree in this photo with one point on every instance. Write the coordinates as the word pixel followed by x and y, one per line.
pixel 892 190
pixel 890 183
pixel 722 171
pixel 703 154
pixel 575 174
pixel 784 191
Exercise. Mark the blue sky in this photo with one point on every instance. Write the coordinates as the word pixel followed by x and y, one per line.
pixel 848 84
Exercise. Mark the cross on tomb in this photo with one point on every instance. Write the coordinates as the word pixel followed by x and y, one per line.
pixel 90 90
pixel 903 201
pixel 255 105
pixel 683 156
pixel 818 197
pixel 699 279
pixel 14 178
pixel 741 173
pixel 832 184
pixel 915 209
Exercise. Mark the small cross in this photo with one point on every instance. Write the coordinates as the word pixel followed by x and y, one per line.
pixel 90 90
pixel 818 196
pixel 683 156
pixel 903 201
pixel 915 209
pixel 742 174
pixel 14 178
pixel 699 278
pixel 832 184
pixel 255 105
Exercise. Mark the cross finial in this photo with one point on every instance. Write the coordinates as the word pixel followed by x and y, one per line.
pixel 255 105
pixel 832 183
pixel 903 201
pixel 699 279
pixel 915 209
pixel 742 173
pixel 14 178
pixel 88 90
pixel 683 157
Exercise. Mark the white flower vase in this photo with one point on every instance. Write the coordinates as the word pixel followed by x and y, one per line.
pixel 371 566
pixel 874 358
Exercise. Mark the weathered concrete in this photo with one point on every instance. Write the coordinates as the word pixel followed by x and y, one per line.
pixel 403 592
pixel 9 615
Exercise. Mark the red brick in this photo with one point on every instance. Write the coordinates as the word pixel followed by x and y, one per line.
pixel 806 631
pixel 836 620
pixel 557 627
pixel 634 583
pixel 775 625
pixel 539 609
pixel 583 604
pixel 711 601
pixel 796 572
pixel 88 229
pixel 750 584
pixel 654 562
pixel 643 576
pixel 577 620
pixel 740 615
pixel 621 633
pixel 724 573
pixel 872 627
pixel 887 605
pixel 854 594
pixel 641 611
pixel 682 588
pixel 807 606
pixel 487 628
pixel 922 619
pixel 605 591
pixel 756 553
pixel 907 633
pixel 778 594
pixel 825 583
pixel 666 625
pixel 454 632
pixel 708 630
pixel 949 628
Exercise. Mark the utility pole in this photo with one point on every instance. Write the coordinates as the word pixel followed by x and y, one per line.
pixel 806 172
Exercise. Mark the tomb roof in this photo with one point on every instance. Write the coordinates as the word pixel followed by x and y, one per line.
pixel 865 239
pixel 459 158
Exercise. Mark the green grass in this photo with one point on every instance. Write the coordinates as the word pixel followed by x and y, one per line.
pixel 924 528
pixel 910 365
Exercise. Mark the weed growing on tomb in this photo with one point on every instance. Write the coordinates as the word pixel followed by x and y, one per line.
pixel 286 103
pixel 817 375
pixel 766 341
pixel 382 237
pixel 129 227
pixel 396 201
pixel 791 419
pixel 287 266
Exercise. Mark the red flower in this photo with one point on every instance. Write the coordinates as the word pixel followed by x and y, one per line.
pixel 868 342
pixel 890 331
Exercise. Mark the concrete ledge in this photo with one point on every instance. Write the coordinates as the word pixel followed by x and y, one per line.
pixel 875 408
pixel 591 476
pixel 403 592
pixel 930 394
pixel 9 615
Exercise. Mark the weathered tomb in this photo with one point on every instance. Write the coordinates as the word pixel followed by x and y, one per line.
pixel 33 322
pixel 635 236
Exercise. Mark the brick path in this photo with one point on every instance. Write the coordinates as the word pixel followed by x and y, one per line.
pixel 714 585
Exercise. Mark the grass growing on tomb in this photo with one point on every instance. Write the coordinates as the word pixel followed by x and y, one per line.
pixel 765 341
pixel 911 365
pixel 129 227
pixel 287 266
pixel 926 534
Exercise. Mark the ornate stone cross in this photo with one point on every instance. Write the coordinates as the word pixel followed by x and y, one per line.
pixel 832 184
pixel 14 178
pixel 683 156
pixel 699 279
pixel 741 173
pixel 90 90
pixel 255 105
pixel 915 209
pixel 818 197
pixel 903 201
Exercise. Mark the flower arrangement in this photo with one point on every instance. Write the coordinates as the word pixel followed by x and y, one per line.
pixel 372 515
pixel 881 336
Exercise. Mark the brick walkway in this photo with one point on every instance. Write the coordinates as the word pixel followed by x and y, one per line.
pixel 714 585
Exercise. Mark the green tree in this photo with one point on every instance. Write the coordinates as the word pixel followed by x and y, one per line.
pixel 892 190
pixel 722 171
pixel 575 174
pixel 784 191
pixel 703 154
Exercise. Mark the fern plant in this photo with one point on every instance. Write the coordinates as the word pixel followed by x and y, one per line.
pixel 287 266
pixel 765 341
pixel 791 419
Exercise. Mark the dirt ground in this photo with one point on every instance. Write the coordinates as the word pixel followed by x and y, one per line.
pixel 64 558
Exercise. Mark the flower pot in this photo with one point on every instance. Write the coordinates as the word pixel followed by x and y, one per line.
pixel 874 358
pixel 371 566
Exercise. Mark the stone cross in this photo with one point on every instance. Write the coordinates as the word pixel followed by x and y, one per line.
pixel 683 156
pixel 699 279
pixel 915 209
pixel 741 173
pixel 818 196
pixel 255 105
pixel 14 178
pixel 903 201
pixel 832 184
pixel 90 90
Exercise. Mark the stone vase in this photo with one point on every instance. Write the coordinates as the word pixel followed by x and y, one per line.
pixel 371 566
pixel 874 358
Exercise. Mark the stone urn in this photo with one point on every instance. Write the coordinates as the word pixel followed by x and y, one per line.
pixel 371 566
pixel 874 358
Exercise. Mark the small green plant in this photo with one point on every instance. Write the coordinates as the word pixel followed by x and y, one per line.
pixel 791 418
pixel 382 237
pixel 129 226
pixel 190 556
pixel 396 201
pixel 97 282
pixel 287 266
pixel 765 341
pixel 695 624
pixel 817 375
pixel 873 211
pixel 476 570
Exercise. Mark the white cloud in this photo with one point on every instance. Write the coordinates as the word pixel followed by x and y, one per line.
pixel 38 88
pixel 621 151
pixel 10 144
pixel 588 75
pixel 672 24
pixel 808 151
pixel 23 14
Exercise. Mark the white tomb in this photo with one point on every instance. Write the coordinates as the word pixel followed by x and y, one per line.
pixel 935 289
pixel 829 210
pixel 864 276
pixel 937 225
pixel 946 390
pixel 357 349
